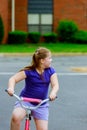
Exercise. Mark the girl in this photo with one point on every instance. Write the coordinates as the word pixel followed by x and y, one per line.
pixel 37 78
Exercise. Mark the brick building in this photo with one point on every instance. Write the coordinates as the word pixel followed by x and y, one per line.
pixel 42 16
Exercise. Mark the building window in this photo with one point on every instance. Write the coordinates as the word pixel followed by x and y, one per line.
pixel 40 16
pixel 46 19
pixel 33 19
pixel 40 23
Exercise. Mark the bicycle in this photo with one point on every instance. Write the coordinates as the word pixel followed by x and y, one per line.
pixel 29 109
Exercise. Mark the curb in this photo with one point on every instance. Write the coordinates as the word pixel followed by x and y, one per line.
pixel 15 54
pixel 53 54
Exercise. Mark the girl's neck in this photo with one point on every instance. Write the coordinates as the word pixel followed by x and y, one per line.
pixel 40 70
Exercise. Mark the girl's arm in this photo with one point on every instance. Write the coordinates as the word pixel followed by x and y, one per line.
pixel 55 86
pixel 15 79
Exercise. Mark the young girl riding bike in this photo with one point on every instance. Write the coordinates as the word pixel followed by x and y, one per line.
pixel 38 77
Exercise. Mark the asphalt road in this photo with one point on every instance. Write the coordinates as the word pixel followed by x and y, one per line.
pixel 69 111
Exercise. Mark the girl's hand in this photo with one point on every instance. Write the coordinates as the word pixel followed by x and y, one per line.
pixel 10 91
pixel 52 96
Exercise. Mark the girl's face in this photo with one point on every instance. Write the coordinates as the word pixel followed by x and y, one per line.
pixel 47 61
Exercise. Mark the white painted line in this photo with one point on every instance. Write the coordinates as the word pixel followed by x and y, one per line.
pixel 7 73
pixel 60 73
pixel 71 74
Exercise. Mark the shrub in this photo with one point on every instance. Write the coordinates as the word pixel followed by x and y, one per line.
pixel 17 37
pixel 50 37
pixel 34 37
pixel 80 37
pixel 66 29
pixel 1 30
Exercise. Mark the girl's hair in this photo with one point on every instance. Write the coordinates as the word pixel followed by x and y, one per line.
pixel 39 54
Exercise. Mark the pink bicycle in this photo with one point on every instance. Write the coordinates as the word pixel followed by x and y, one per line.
pixel 29 109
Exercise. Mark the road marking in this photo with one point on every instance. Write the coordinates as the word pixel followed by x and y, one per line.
pixel 79 69
pixel 71 74
pixel 60 73
pixel 7 73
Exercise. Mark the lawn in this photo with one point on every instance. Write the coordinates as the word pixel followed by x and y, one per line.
pixel 54 47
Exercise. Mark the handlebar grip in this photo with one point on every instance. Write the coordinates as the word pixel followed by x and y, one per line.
pixel 6 90
pixel 50 99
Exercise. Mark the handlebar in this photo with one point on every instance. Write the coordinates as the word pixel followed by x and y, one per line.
pixel 21 99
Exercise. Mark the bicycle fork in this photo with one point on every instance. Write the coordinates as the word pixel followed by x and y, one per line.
pixel 27 121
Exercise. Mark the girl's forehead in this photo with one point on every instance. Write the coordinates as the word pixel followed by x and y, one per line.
pixel 49 54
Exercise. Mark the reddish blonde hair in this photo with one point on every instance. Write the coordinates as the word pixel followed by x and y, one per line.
pixel 39 54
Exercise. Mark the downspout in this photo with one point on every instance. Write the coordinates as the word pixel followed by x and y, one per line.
pixel 13 15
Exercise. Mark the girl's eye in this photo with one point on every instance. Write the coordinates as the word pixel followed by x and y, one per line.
pixel 50 59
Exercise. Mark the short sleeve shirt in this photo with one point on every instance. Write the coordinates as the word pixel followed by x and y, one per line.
pixel 36 85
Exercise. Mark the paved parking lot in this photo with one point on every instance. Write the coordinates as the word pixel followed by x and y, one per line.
pixel 69 111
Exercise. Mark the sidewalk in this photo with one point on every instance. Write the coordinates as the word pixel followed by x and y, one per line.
pixel 53 54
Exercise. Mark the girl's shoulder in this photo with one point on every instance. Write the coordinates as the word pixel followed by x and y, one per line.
pixel 29 72
pixel 50 70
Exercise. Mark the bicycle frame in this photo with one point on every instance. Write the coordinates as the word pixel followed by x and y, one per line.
pixel 29 109
pixel 27 122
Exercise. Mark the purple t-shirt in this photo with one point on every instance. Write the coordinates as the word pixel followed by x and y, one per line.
pixel 36 86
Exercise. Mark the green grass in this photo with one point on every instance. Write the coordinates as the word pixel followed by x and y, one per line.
pixel 54 47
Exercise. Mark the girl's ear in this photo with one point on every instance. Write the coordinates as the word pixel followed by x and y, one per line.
pixel 42 61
